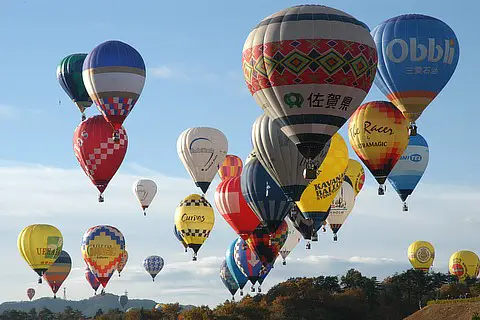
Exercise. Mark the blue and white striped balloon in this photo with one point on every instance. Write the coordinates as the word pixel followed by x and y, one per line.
pixel 410 168
pixel 153 265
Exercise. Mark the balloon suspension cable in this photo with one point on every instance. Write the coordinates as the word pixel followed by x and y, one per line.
pixel 310 171
pixel 405 207
pixel 335 238
pixel 381 190
pixel 308 245
pixel 101 198
pixel 284 263
pixel 412 129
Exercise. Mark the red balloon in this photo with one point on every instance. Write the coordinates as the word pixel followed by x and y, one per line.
pixel 234 209
pixel 267 245
pixel 97 152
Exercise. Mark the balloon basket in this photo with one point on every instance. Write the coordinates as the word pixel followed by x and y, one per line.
pixel 412 130
pixel 241 293
pixel 259 289
pixel 40 280
pixel 116 136
pixel 84 117
pixel 253 289
pixel 194 258
pixel 405 207
pixel 308 246
pixel 381 191
pixel 335 238
pixel 101 198
pixel 284 263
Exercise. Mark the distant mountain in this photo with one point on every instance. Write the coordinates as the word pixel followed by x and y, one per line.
pixel 88 306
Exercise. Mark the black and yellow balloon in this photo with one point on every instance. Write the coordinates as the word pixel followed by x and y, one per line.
pixel 319 194
pixel 194 219
pixel 464 264
pixel 40 245
pixel 421 255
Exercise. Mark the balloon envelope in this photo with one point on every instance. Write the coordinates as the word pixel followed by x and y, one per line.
pixel 356 175
pixel 153 265
pixel 145 190
pixel 417 55
pixel 91 279
pixel 202 151
pixel 341 207
pixel 231 167
pixel 309 67
pixel 421 255
pixel 237 274
pixel 122 263
pixel 247 260
pixel 30 293
pixel 123 300
pixel 227 279
pixel 293 238
pixel 58 271
pixel 464 264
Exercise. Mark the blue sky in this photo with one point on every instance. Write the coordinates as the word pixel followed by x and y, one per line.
pixel 194 78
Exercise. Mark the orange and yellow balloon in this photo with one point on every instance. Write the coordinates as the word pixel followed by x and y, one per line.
pixel 378 133
pixel 231 167
pixel 464 264
pixel 421 255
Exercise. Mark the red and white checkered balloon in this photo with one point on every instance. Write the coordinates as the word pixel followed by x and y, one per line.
pixel 98 155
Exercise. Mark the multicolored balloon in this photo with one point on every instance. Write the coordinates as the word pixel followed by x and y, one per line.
pixel 102 249
pixel 235 271
pixel 378 134
pixel 263 274
pixel 231 204
pixel 264 195
pixel 114 75
pixel 153 265
pixel 421 255
pixel 231 167
pixel 69 75
pixel 202 151
pixel 247 261
pixel 303 225
pixel 293 238
pixel 58 272
pixel 30 293
pixel 122 263
pixel 280 156
pixel 98 155
pixel 194 219
pixel 464 264
pixel 309 67
pixel 410 168
pixel 417 56
pixel 267 245
pixel 40 245
pixel 145 190
pixel 92 279
pixel 228 280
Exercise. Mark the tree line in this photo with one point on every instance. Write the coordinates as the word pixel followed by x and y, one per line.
pixel 351 296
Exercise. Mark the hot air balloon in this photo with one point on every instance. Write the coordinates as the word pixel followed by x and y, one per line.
pixel 235 271
pixel 231 204
pixel 356 174
pixel 231 167
pixel 153 265
pixel 319 194
pixel 267 245
pixel 410 168
pixel 30 293
pixel 202 151
pixel 178 235
pixel 280 156
pixel 122 263
pixel 69 75
pixel 92 279
pixel 309 67
pixel 102 249
pixel 228 280
pixel 263 274
pixel 158 307
pixel 378 134
pixel 303 225
pixel 194 219
pixel 417 57
pixel 464 264
pixel 293 238
pixel 58 272
pixel 114 75
pixel 264 195
pixel 40 245
pixel 123 300
pixel 421 255
pixel 145 190
pixel 247 261
pixel 341 207
pixel 98 155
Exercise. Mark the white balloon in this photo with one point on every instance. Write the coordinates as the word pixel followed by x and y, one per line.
pixel 145 190
pixel 293 238
pixel 202 151
pixel 341 207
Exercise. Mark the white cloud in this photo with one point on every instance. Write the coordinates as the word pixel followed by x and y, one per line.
pixel 374 239
pixel 163 72
pixel 8 112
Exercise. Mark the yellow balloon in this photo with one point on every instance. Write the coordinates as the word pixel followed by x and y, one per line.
pixel 40 245
pixel 421 255
pixel 319 194
pixel 464 264
pixel 356 174
pixel 378 133
pixel 194 219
